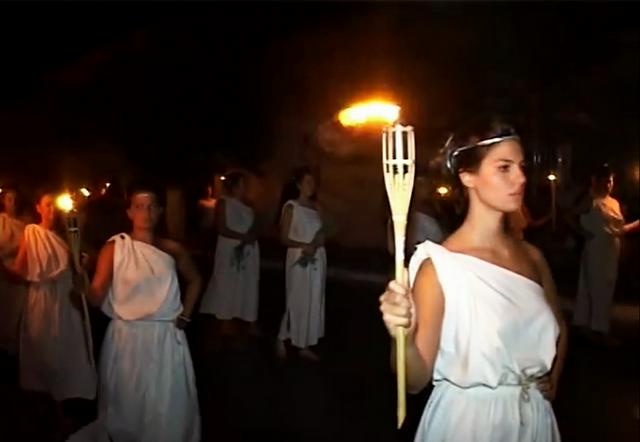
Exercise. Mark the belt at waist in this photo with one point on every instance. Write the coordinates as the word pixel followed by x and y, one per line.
pixel 522 382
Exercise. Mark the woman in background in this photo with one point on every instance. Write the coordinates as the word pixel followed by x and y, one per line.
pixel 232 292
pixel 604 227
pixel 302 232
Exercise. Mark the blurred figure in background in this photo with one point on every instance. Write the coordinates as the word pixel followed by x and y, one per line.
pixel 603 226
pixel 303 233
pixel 12 292
pixel 232 292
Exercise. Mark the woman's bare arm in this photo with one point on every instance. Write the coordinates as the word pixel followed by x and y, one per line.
pixel 103 276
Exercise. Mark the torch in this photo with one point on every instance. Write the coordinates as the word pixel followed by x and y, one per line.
pixel 552 182
pixel 398 166
pixel 66 204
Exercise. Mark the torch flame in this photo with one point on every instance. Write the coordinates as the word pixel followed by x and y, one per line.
pixel 369 111
pixel 442 190
pixel 64 202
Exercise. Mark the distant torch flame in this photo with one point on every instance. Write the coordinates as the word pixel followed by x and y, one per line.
pixel 552 177
pixel 64 202
pixel 442 190
pixel 369 112
pixel 85 192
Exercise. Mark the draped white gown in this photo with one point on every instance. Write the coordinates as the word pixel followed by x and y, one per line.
pixel 498 336
pixel 54 355
pixel 12 295
pixel 147 382
pixel 303 321
pixel 599 264
pixel 232 291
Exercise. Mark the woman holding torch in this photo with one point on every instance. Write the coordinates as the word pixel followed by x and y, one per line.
pixel 147 385
pixel 53 354
pixel 481 312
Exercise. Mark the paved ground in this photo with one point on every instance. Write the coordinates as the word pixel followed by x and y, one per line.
pixel 248 395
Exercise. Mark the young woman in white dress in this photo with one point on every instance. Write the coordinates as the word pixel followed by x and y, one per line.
pixel 604 227
pixel 147 383
pixel 232 292
pixel 481 312
pixel 53 351
pixel 301 231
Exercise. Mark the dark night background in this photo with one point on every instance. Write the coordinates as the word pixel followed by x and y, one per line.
pixel 85 83
pixel 96 91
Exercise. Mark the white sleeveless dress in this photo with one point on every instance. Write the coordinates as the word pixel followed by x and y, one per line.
pixel 54 356
pixel 12 296
pixel 232 291
pixel 498 336
pixel 303 321
pixel 147 386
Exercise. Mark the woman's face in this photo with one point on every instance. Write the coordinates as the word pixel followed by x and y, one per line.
pixel 307 186
pixel 604 187
pixel 499 182
pixel 144 211
pixel 9 202
pixel 46 208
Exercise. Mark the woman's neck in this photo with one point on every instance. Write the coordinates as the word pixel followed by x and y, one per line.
pixel 484 228
pixel 47 225
pixel 143 235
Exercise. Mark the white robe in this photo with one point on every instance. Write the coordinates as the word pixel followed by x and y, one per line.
pixel 147 383
pixel 303 321
pixel 12 296
pixel 232 291
pixel 599 264
pixel 498 336
pixel 54 356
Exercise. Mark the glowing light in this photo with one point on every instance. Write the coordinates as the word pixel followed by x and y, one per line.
pixel 64 202
pixel 552 177
pixel 369 112
pixel 0 189
pixel 442 190
pixel 107 184
pixel 222 178
pixel 84 191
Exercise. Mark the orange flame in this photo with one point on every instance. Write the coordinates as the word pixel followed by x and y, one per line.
pixel 64 202
pixel 369 112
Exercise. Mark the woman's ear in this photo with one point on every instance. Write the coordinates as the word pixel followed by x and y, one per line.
pixel 467 179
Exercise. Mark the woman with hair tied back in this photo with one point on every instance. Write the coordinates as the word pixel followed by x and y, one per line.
pixel 604 227
pixel 481 313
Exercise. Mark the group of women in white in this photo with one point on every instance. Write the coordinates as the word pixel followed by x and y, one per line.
pixel 146 387
pixel 233 290
pixel 481 309
pixel 145 382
